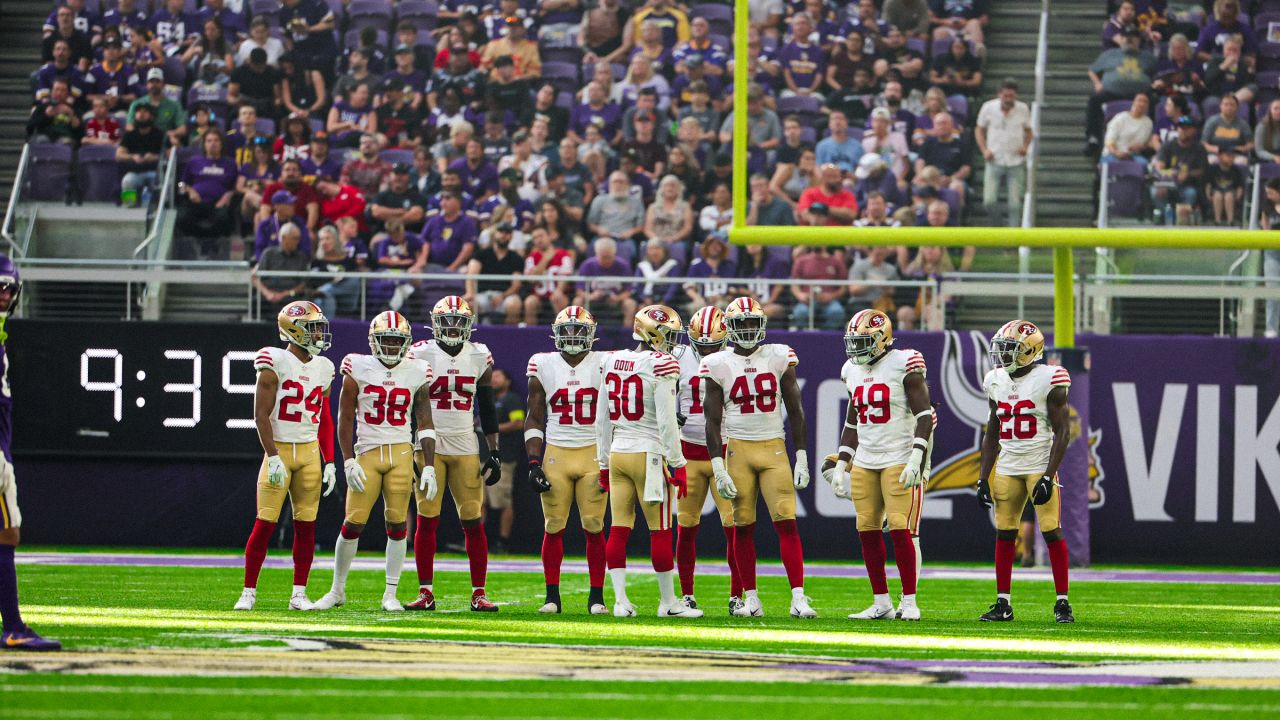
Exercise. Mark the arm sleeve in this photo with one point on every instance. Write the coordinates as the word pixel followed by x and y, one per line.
pixel 666 403
pixel 325 434
pixel 1061 378
pixel 604 428
pixel 488 411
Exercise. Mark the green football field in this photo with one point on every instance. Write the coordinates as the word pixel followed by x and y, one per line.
pixel 153 636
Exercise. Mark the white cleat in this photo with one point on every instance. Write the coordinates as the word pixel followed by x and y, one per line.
pixel 800 607
pixel 734 604
pixel 750 607
pixel 551 609
pixel 247 600
pixel 329 600
pixel 624 609
pixel 875 612
pixel 391 604
pixel 908 610
pixel 679 609
pixel 299 601
pixel 598 609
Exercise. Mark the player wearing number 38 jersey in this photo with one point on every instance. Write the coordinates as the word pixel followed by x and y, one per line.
pixel 291 411
pixel 1028 428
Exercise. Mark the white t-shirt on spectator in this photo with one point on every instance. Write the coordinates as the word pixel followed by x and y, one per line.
pixel 273 46
pixel 1124 131
pixel 1005 131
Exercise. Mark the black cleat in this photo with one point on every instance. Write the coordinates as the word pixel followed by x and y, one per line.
pixel 1062 612
pixel 1002 611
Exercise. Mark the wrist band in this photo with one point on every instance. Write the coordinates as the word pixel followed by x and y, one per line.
pixel 924 413
pixel 920 443
pixel 533 433
pixel 851 426
pixel 846 450
pixel 425 434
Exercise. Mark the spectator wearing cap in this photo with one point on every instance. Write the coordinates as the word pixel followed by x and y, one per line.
pixel 450 181
pixel 209 182
pixel 241 136
pixel 167 113
pixel 710 275
pixel 460 75
pixel 138 155
pixel 398 120
pixel 618 213
pixel 61 66
pixel 508 196
pixel 657 264
pixel 714 58
pixel 112 79
pixel 496 297
pixel 54 118
pixel 836 205
pixel 650 154
pixel 479 176
pixel 352 118
pixel 825 302
pixel 494 22
pixel 889 145
pixel 310 25
pixel 640 75
pixel 254 175
pixel 339 202
pixel 294 141
pixel 358 73
pixel 670 217
pixel 1116 73
pixel 320 160
pixel 406 33
pixel 873 176
pixel 287 254
pixel 399 200
pixel 763 128
pixel 307 201
pixel 412 80
pixel 451 235
pixel 717 216
pixel 256 83
pixel 646 101
pixel 839 148
pixel 1003 135
pixel 448 114
pixel 1179 169
pixel 260 38
pixel 268 231
pixel 955 18
pixel 516 45
pixel 947 149
pixel 367 170
pixel 506 91
pixel 766 208
pixel 606 297
pixel 599 111
pixel 957 71
pixel 694 72
pixel 1129 133
pixel 803 63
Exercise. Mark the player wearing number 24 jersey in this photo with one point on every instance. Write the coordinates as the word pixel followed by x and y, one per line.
pixel 747 388
pixel 560 439
pixel 1025 440
pixel 384 396
pixel 291 411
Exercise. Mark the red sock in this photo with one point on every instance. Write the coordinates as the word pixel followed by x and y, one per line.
pixel 744 551
pixel 686 556
pixel 791 551
pixel 255 551
pixel 660 551
pixel 873 555
pixel 424 548
pixel 616 549
pixel 477 553
pixel 304 550
pixel 735 580
pixel 904 553
pixel 1058 559
pixel 552 556
pixel 1005 550
pixel 595 558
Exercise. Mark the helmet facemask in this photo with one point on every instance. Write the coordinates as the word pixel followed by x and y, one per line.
pixel 390 346
pixel 451 328
pixel 706 346
pixel 573 337
pixel 861 349
pixel 745 331
pixel 1004 353
pixel 314 336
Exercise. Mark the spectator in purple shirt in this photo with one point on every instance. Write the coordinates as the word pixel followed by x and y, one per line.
pixel 321 162
pixel 757 267
pixel 715 269
pixel 598 111
pixel 232 22
pixel 606 297
pixel 479 176
pixel 209 182
pixel 60 67
pixel 451 235
pixel 77 40
pixel 1226 23
pixel 125 15
pixel 282 213
pixel 802 62
pixel 173 27
pixel 84 21
pixel 113 80
pixel 394 253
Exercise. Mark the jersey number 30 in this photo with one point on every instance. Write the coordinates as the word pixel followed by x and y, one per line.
pixel 626 397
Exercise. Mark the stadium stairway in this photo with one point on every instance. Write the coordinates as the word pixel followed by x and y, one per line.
pixel 20 22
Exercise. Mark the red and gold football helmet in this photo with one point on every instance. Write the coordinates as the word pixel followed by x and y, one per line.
pixel 390 336
pixel 659 327
pixel 574 330
pixel 745 321
pixel 1016 344
pixel 868 335
pixel 707 331
pixel 452 320
pixel 302 323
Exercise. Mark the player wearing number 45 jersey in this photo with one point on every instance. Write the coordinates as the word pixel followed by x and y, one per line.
pixel 291 411
pixel 460 371
pixel 560 439
pixel 747 388
pixel 1027 428
pixel 379 391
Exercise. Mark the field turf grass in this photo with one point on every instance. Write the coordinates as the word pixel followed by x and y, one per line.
pixel 158 642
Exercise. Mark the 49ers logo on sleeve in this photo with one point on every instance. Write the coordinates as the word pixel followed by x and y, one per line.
pixel 658 315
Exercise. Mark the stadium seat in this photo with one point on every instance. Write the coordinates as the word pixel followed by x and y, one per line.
pixel 959 105
pixel 351 39
pixel 50 171
pixel 563 75
pixel 806 107
pixel 919 45
pixel 943 47
pixel 175 73
pixel 723 41
pixel 719 17
pixel 1126 188
pixel 1267 6
pixel 315 124
pixel 422 13
pixel 565 100
pixel 1268 87
pixel 1115 107
pixel 1192 104
pixel 369 13
pixel 397 156
pixel 619 72
pixel 184 156
pixel 265 126
pixel 1210 107
pixel 809 135
pixel 1268 170
pixel 571 56
pixel 270 8
pixel 1264 19
pixel 98 174
pixel 217 101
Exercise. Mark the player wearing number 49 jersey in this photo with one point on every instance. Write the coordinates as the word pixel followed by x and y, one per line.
pixel 1028 429
pixel 291 411
pixel 560 439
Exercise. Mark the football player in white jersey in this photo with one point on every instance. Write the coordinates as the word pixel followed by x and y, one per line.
pixel 638 446
pixel 1025 440
pixel 707 334
pixel 461 371
pixel 560 440
pixel 884 449
pixel 384 388
pixel 291 411
pixel 747 388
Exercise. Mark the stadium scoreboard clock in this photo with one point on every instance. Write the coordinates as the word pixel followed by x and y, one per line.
pixel 135 389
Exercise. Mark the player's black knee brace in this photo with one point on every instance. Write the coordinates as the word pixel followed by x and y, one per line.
pixel 1053 535
pixel 1006 534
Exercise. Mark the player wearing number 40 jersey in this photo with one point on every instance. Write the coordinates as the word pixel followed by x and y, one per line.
pixel 384 395
pixel 1027 428
pixel 461 372
pixel 746 389
pixel 291 411
pixel 560 439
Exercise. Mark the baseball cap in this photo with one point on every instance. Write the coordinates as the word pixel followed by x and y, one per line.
pixel 401 168
pixel 403 48
pixel 819 208
pixel 512 20
pixel 644 115
pixel 321 137
pixel 1130 31
pixel 867 165
pixel 283 197
pixel 505 227
pixel 112 42
pixel 511 173
pixel 1186 121
pixel 881 113
pixel 717 237
pixel 155 74
pixel 503 61
pixel 924 191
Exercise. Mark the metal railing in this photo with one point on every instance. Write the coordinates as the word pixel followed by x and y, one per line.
pixel 1037 105
pixel 17 247
pixel 163 203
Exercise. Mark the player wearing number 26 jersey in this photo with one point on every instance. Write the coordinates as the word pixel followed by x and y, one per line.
pixel 638 444
pixel 560 439
pixel 746 389
pixel 1028 429
pixel 461 372
pixel 384 395
pixel 291 411
pixel 885 446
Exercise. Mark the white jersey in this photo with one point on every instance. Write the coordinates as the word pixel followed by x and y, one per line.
pixel 384 400
pixel 295 417
pixel 752 386
pixel 1022 408
pixel 452 392
pixel 572 395
pixel 693 391
pixel 638 394
pixel 877 392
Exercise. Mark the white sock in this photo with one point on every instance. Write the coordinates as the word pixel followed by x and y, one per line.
pixel 1002 596
pixel 426 587
pixel 882 600
pixel 395 562
pixel 299 589
pixel 666 587
pixel 343 553
pixel 747 594
pixel 1062 597
pixel 797 592
pixel 908 600
pixel 915 540
pixel 618 578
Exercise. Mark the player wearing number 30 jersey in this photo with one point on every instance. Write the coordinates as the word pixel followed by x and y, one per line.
pixel 291 411
pixel 1028 429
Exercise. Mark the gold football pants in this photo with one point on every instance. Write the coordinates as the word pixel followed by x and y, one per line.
pixel 761 467
pixel 877 493
pixel 574 476
pixel 388 472
pixel 302 471
pixel 461 475
pixel 701 481
pixel 626 488
pixel 1010 493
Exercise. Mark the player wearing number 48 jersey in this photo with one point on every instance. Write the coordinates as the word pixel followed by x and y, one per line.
pixel 379 391
pixel 461 372
pixel 560 439
pixel 1025 440
pixel 746 389
pixel 291 411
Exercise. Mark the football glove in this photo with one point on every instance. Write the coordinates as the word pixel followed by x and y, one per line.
pixel 800 478
pixel 491 471
pixel 1043 490
pixel 538 477
pixel 840 481
pixel 427 483
pixel 354 474
pixel 911 476
pixel 604 480
pixel 984 494
pixel 724 483
pixel 275 471
pixel 329 478
pixel 679 480
pixel 6 474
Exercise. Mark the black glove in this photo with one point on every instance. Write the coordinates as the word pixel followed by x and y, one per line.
pixel 1043 491
pixel 538 477
pixel 681 419
pixel 984 494
pixel 491 471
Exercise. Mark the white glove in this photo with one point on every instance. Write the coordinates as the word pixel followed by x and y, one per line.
pixel 355 475
pixel 427 482
pixel 840 481
pixel 6 474
pixel 330 478
pixel 275 471
pixel 910 476
pixel 801 476
pixel 724 483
